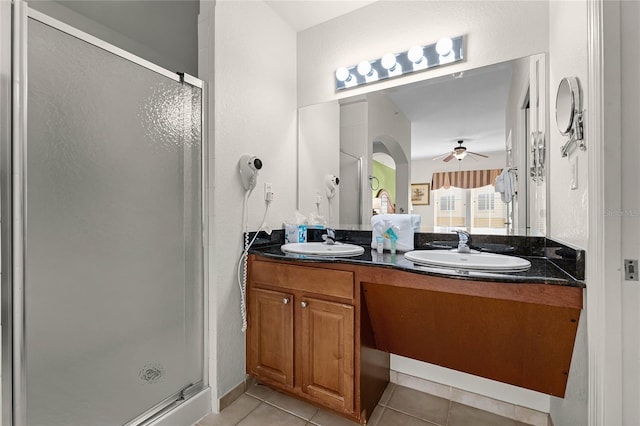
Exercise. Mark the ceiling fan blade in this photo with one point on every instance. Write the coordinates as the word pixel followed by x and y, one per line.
pixel 479 155
pixel 441 156
pixel 449 158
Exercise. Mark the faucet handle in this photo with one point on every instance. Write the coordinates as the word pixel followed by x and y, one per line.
pixel 330 236
pixel 463 235
pixel 464 241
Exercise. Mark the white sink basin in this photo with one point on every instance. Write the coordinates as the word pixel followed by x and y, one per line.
pixel 322 249
pixel 475 261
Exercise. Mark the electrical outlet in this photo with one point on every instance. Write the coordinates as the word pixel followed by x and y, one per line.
pixel 631 269
pixel 268 191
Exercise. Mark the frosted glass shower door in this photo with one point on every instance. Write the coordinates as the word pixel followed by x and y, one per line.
pixel 113 265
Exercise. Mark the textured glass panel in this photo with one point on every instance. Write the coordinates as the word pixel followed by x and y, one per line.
pixel 113 282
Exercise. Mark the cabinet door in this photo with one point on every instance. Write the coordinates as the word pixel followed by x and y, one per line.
pixel 327 352
pixel 270 335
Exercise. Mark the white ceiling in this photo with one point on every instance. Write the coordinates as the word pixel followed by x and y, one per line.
pixel 443 110
pixel 303 14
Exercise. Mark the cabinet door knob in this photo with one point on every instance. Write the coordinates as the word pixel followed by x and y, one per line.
pixel 304 304
pixel 285 300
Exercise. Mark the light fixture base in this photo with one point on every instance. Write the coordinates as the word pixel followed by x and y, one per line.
pixel 417 58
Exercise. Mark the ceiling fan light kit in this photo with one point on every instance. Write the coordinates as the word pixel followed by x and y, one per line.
pixel 459 153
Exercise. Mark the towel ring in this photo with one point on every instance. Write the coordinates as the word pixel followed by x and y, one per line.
pixel 371 178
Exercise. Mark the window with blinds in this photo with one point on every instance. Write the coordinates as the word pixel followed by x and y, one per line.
pixel 486 202
pixel 447 203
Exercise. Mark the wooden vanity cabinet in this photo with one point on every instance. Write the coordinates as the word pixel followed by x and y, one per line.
pixel 517 333
pixel 270 335
pixel 302 339
pixel 327 349
pixel 324 331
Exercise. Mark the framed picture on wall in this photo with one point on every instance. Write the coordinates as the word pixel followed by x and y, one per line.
pixel 420 194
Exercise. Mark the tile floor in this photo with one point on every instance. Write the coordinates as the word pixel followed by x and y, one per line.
pixel 262 406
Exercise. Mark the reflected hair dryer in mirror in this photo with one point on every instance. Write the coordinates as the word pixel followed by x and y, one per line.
pixel 331 182
pixel 249 166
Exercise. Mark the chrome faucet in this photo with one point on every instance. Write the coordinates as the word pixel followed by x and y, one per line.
pixel 329 237
pixel 464 241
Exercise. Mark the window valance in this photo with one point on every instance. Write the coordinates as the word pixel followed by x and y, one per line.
pixel 465 179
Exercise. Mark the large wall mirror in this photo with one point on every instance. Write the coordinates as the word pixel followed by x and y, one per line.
pixel 457 133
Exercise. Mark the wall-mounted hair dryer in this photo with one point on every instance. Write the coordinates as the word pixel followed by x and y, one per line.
pixel 249 166
pixel 331 183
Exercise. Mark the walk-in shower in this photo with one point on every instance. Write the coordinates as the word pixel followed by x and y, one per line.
pixel 103 261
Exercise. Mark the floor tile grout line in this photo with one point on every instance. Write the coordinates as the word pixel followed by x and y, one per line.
pixel 393 389
pixel 290 412
pixel 257 397
pixel 446 423
pixel 383 409
pixel 254 409
pixel 414 416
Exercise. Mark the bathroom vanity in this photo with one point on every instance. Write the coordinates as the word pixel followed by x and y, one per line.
pixel 307 336
pixel 322 330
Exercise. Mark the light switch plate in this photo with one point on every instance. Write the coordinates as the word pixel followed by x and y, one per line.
pixel 631 270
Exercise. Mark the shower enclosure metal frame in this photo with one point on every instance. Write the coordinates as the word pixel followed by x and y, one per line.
pixel 13 122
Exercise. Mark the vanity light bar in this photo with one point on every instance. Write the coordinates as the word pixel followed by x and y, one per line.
pixel 417 58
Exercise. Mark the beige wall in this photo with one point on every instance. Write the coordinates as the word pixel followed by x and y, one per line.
pixel 495 32
pixel 567 57
pixel 318 156
pixel 569 208
pixel 630 38
pixel 252 104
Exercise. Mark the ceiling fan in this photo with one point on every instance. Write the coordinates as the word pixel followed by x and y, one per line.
pixel 459 152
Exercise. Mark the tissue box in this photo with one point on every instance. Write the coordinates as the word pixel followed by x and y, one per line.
pixel 295 233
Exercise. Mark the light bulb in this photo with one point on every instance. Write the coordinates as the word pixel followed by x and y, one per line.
pixel 461 155
pixel 364 68
pixel 444 46
pixel 416 54
pixel 342 74
pixel 389 61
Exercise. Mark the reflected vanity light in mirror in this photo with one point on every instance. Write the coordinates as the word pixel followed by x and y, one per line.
pixel 445 51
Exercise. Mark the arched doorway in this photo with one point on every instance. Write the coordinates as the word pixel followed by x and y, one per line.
pixel 387 145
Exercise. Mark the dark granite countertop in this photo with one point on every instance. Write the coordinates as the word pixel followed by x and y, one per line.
pixel 542 270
